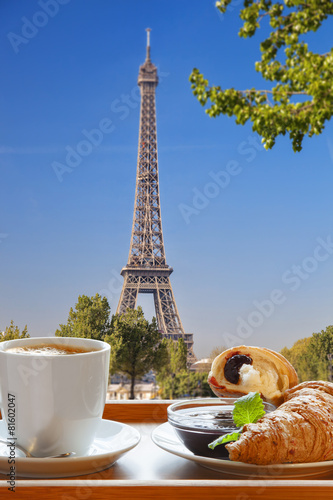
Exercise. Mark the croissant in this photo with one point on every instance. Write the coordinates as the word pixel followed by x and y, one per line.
pixel 243 369
pixel 300 430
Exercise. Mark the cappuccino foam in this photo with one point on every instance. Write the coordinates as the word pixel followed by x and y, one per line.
pixel 49 349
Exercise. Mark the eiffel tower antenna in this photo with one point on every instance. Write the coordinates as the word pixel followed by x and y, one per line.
pixel 146 270
pixel 148 44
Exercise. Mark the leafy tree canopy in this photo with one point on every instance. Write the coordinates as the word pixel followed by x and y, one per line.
pixel 173 367
pixel 90 319
pixel 309 355
pixel 175 358
pixel 185 384
pixel 12 332
pixel 136 345
pixel 301 100
pixel 298 356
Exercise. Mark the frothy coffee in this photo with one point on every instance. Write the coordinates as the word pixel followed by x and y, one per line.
pixel 49 349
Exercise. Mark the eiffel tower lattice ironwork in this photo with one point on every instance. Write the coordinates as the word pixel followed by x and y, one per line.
pixel 146 270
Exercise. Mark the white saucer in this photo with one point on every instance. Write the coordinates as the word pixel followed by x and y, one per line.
pixel 166 438
pixel 113 439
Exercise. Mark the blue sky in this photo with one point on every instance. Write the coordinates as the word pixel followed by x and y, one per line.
pixel 248 232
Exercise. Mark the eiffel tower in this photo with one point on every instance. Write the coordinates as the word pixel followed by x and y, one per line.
pixel 146 270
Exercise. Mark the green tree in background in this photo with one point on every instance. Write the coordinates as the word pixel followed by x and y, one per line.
pixel 173 367
pixel 320 346
pixel 302 99
pixel 136 345
pixel 12 332
pixel 185 384
pixel 298 357
pixel 309 355
pixel 175 380
pixel 90 319
pixel 176 357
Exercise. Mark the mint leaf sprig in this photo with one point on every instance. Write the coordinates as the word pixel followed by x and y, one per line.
pixel 247 410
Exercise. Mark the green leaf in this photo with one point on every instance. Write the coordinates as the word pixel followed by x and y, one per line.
pixel 227 438
pixel 286 59
pixel 248 409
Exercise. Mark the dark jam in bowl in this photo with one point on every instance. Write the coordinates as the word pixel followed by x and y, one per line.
pixel 199 422
pixel 204 426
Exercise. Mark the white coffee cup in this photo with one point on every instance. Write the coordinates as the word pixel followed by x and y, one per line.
pixel 53 404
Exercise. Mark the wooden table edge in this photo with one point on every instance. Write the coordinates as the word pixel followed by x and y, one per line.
pixel 175 490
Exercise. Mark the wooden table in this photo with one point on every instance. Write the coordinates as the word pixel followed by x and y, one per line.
pixel 148 472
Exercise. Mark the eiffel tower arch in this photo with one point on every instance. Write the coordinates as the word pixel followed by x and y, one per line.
pixel 146 270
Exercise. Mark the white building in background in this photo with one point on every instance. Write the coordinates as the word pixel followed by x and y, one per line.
pixel 142 391
pixel 203 365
